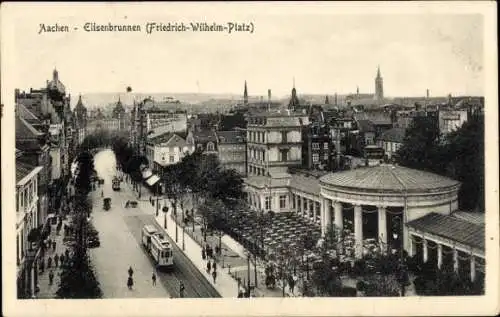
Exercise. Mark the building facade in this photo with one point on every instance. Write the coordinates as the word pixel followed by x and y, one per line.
pixel 391 141
pixel 231 150
pixel 167 149
pixel 318 150
pixel 451 120
pixel 27 251
pixel 274 141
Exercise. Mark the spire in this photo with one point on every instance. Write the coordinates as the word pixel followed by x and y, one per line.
pixel 327 101
pixel 55 74
pixel 357 90
pixel 245 94
pixel 378 72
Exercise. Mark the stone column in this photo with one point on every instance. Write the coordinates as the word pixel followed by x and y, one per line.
pixel 411 250
pixel 318 212
pixel 455 259
pixel 297 202
pixel 424 249
pixel 328 213
pixel 338 215
pixel 358 231
pixel 382 227
pixel 440 254
pixel 472 267
pixel 324 206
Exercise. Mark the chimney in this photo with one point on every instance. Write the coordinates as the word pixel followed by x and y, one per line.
pixel 269 99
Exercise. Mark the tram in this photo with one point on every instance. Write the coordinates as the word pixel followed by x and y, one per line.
pixel 158 247
pixel 116 183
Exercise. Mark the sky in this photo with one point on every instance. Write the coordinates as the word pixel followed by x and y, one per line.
pixel 324 49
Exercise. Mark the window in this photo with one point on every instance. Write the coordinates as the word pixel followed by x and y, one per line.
pixel 210 146
pixel 293 201
pixel 283 137
pixel 171 159
pixel 17 201
pixel 315 158
pixel 325 145
pixel 315 146
pixel 268 203
pixel 326 156
pixel 284 155
pixel 282 201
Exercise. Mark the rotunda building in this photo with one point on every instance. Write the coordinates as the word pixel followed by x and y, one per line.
pixel 377 202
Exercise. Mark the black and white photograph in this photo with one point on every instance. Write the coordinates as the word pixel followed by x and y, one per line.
pixel 259 158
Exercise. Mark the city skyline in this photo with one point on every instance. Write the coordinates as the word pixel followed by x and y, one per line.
pixel 439 52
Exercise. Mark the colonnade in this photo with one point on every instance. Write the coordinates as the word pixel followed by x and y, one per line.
pixel 474 258
pixel 333 212
pixel 307 207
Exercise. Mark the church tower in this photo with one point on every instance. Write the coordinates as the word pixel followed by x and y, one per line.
pixel 245 95
pixel 379 87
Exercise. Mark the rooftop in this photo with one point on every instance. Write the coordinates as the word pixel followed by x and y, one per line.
pixel 22 170
pixel 459 230
pixel 388 178
pixel 393 135
pixel 230 136
pixel 307 184
pixel 25 130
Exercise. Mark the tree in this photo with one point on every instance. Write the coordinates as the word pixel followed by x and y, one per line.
pixel 466 148
pixel 78 279
pixel 326 278
pixel 422 148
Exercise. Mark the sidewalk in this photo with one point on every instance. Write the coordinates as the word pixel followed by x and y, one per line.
pixel 235 260
pixel 46 290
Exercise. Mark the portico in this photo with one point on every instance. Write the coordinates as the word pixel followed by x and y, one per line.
pixel 377 203
pixel 448 241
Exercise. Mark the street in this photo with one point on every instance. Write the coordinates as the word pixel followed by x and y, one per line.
pixel 120 236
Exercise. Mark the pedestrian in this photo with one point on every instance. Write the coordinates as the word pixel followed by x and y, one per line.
pixel 214 275
pixel 214 266
pixel 56 259
pixel 53 245
pixel 66 252
pixel 42 265
pixel 181 290
pixel 49 242
pixel 62 258
pixel 153 277
pixel 51 277
pixel 49 262
pixel 130 282
pixel 130 272
pixel 208 266
pixel 203 254
pixel 102 193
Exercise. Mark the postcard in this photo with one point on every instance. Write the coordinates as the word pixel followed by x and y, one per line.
pixel 253 159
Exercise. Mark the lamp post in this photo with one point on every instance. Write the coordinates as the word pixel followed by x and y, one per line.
pixel 248 274
pixel 157 197
pixel 182 224
pixel 165 211
pixel 175 222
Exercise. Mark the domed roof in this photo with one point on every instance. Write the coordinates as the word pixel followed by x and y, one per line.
pixel 390 178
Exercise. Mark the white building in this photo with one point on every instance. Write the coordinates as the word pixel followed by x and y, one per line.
pixel 391 140
pixel 167 149
pixel 451 120
pixel 26 220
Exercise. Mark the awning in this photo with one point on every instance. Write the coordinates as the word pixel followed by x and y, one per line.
pixel 152 180
pixel 146 173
